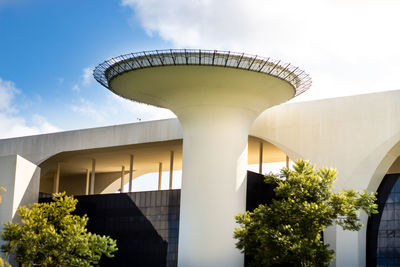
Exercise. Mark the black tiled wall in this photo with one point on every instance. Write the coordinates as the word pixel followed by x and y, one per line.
pixel 145 225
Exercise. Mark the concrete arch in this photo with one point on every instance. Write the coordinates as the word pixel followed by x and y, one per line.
pixel 391 155
pixel 285 149
pixel 382 157
pixel 272 153
pixel 109 161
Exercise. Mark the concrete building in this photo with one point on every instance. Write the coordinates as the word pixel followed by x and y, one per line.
pixel 230 114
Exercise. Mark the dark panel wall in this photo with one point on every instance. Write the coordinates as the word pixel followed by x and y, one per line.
pixel 145 225
pixel 258 192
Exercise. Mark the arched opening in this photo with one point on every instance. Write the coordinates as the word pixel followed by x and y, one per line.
pixel 72 171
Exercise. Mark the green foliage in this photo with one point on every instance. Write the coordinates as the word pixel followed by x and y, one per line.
pixel 288 231
pixel 49 235
pixel 4 263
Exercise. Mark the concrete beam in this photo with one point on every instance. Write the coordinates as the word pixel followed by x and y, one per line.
pixel 56 181
pixel 130 173
pixel 260 163
pixel 122 179
pixel 93 173
pixel 87 184
pixel 159 175
pixel 171 169
pixel 287 161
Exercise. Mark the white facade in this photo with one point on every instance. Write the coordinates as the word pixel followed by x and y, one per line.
pixel 358 135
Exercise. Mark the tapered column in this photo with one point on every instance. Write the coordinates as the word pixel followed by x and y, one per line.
pixel 122 179
pixel 87 184
pixel 216 106
pixel 171 169
pixel 92 177
pixel 130 173
pixel 56 182
pixel 159 175
pixel 213 186
pixel 260 167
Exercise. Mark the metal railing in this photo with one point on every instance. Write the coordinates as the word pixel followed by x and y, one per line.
pixel 113 67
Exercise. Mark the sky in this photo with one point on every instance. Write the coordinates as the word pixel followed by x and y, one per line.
pixel 48 50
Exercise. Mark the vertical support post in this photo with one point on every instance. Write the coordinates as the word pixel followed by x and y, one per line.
pixel 91 189
pixel 56 181
pixel 159 175
pixel 130 173
pixel 87 182
pixel 260 169
pixel 171 169
pixel 21 178
pixel 122 179
pixel 287 162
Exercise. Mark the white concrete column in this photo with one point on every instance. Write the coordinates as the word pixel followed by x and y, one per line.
pixel 345 244
pixel 159 175
pixel 122 179
pixel 171 169
pixel 213 186
pixel 349 246
pixel 21 179
pixel 92 177
pixel 260 162
pixel 56 181
pixel 87 182
pixel 130 173
pixel 330 239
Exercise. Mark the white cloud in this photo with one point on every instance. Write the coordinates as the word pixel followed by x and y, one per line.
pixel 12 125
pixel 85 79
pixel 117 110
pixel 7 93
pixel 42 125
pixel 348 47
pixel 76 88
pixel 89 110
pixel 87 75
pixel 139 111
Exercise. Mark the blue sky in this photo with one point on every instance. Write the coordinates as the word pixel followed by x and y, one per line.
pixel 48 51
pixel 49 48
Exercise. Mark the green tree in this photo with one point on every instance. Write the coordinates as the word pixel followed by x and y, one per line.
pixel 289 230
pixel 49 235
